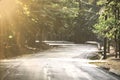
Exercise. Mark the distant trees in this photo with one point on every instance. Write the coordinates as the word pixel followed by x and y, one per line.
pixel 62 19
pixel 85 20
pixel 29 21
pixel 51 18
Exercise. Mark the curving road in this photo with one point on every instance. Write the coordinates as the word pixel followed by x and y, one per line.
pixel 66 62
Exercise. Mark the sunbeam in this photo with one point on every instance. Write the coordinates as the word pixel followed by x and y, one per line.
pixel 7 8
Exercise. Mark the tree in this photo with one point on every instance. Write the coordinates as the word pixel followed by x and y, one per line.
pixel 32 20
pixel 108 24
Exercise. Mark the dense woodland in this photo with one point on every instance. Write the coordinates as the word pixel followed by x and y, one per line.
pixel 25 22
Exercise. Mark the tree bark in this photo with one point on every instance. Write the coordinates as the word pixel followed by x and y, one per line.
pixel 105 47
pixel 116 54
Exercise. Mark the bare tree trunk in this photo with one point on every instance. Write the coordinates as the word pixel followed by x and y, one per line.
pixel 105 47
pixel 108 50
pixel 2 46
pixel 119 46
pixel 116 54
pixel 119 49
pixel 20 41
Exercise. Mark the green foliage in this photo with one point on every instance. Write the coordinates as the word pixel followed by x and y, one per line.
pixel 101 2
pixel 48 20
pixel 105 27
pixel 108 24
pixel 59 19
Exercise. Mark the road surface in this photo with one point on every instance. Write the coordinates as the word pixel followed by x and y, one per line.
pixel 66 62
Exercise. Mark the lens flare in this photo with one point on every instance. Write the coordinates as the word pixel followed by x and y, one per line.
pixel 7 8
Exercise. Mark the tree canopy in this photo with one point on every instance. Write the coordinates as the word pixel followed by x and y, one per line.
pixel 23 22
pixel 109 20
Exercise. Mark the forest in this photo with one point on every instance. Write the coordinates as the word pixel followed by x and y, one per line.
pixel 27 23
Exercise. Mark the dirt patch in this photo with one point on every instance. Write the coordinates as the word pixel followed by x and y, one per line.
pixel 111 63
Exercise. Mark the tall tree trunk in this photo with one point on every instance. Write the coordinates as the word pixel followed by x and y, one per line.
pixel 2 43
pixel 20 41
pixel 105 47
pixel 119 46
pixel 116 54
pixel 2 47
pixel 108 50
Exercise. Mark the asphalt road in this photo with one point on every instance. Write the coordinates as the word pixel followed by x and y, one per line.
pixel 67 62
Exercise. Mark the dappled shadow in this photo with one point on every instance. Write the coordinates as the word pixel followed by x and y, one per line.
pixel 116 59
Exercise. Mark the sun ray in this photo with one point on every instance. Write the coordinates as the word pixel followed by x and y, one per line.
pixel 7 7
pixel 8 10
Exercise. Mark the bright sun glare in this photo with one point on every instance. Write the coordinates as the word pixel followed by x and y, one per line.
pixel 7 8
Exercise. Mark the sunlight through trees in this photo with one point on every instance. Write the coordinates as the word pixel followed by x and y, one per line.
pixel 23 22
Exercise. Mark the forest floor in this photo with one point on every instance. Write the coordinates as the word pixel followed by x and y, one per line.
pixel 111 63
pixel 15 51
